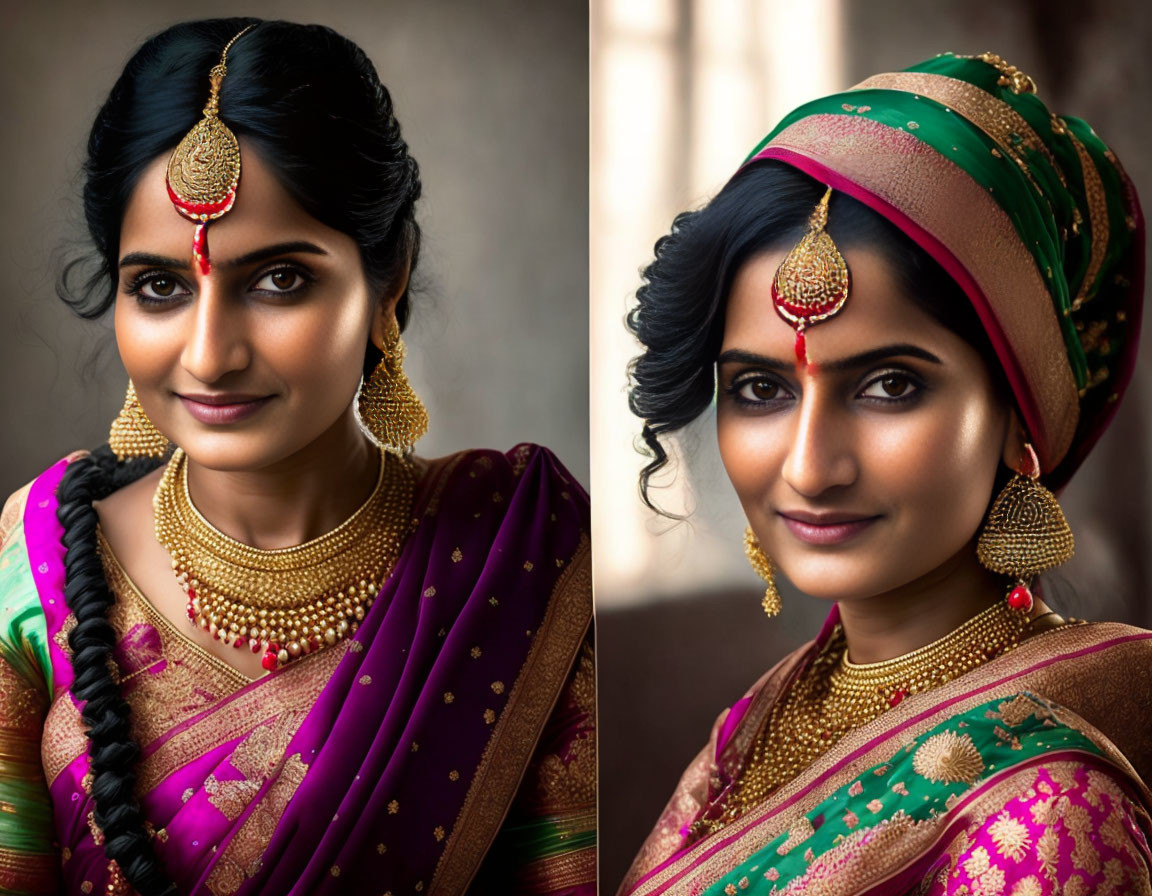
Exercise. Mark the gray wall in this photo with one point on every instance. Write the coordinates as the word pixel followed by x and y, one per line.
pixel 493 99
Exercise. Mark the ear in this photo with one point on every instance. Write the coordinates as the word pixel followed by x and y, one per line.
pixel 1015 438
pixel 384 309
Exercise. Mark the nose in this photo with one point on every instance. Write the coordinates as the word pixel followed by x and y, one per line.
pixel 216 343
pixel 820 451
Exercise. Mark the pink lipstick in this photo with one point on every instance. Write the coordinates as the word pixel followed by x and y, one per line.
pixel 825 528
pixel 222 407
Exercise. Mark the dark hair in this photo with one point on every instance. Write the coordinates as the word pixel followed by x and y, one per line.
pixel 679 315
pixel 111 749
pixel 313 105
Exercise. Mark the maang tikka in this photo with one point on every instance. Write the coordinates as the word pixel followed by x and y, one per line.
pixel 1026 532
pixel 811 284
pixel 204 169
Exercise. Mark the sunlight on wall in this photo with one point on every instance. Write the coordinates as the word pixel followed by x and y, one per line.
pixel 681 90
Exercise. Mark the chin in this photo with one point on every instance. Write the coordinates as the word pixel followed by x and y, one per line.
pixel 835 580
pixel 233 453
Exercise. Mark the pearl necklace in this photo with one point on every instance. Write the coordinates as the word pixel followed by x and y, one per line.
pixel 292 601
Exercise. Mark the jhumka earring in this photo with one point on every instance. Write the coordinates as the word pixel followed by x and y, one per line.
pixel 133 434
pixel 812 282
pixel 1026 532
pixel 390 410
pixel 764 568
pixel 204 168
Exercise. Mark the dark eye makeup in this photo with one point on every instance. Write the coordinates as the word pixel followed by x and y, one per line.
pixel 888 388
pixel 158 287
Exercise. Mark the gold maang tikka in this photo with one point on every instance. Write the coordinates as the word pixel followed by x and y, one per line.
pixel 812 282
pixel 204 169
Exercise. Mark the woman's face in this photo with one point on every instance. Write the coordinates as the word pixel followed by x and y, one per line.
pixel 873 467
pixel 260 358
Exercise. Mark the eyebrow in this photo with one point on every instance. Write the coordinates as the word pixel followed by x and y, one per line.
pixel 863 359
pixel 132 259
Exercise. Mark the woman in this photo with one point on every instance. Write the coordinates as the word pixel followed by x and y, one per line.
pixel 254 645
pixel 919 300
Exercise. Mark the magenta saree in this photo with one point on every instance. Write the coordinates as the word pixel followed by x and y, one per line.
pixel 386 763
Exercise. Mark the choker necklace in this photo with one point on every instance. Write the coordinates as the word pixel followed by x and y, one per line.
pixel 835 695
pixel 292 601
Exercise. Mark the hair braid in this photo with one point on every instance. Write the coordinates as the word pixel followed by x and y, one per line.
pixel 112 751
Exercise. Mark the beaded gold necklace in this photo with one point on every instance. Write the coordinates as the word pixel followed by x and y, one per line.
pixel 291 601
pixel 835 695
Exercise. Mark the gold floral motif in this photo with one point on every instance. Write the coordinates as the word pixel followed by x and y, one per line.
pixel 1018 710
pixel 231 797
pixel 1028 886
pixel 1010 836
pixel 947 758
pixel 240 859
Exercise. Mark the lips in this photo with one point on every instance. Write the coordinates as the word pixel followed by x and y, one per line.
pixel 825 528
pixel 219 408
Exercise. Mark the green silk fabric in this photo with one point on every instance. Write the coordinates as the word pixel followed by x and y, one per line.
pixel 26 820
pixel 877 794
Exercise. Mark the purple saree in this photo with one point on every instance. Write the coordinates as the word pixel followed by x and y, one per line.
pixel 386 763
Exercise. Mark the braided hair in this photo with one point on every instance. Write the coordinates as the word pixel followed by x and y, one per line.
pixel 312 103
pixel 112 751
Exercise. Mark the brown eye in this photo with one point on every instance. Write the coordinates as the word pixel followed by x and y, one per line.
pixel 891 387
pixel 764 390
pixel 162 286
pixel 894 385
pixel 282 280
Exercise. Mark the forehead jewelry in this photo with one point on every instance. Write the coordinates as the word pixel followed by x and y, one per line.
pixel 811 283
pixel 204 169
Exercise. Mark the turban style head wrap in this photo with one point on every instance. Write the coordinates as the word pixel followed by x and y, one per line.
pixel 1029 211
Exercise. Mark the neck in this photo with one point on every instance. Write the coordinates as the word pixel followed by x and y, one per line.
pixel 295 499
pixel 897 622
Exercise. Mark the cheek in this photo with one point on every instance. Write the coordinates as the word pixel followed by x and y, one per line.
pixel 945 466
pixel 320 343
pixel 752 450
pixel 146 343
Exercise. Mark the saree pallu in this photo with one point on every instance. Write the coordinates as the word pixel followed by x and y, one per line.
pixel 1023 777
pixel 386 763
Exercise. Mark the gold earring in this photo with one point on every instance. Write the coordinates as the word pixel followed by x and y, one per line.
pixel 390 410
pixel 1026 532
pixel 133 434
pixel 764 568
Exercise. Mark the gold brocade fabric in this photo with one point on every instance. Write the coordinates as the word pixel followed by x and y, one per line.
pixel 1100 672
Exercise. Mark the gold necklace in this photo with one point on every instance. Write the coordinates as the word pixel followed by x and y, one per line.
pixel 836 695
pixel 291 601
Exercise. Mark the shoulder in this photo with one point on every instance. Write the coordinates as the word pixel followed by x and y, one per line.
pixel 12 516
pixel 526 472
pixel 1067 827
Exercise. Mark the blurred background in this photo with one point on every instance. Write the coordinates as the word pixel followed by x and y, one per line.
pixel 492 97
pixel 681 90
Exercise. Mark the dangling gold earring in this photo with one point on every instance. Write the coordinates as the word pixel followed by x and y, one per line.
pixel 764 568
pixel 1026 532
pixel 133 434
pixel 390 410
